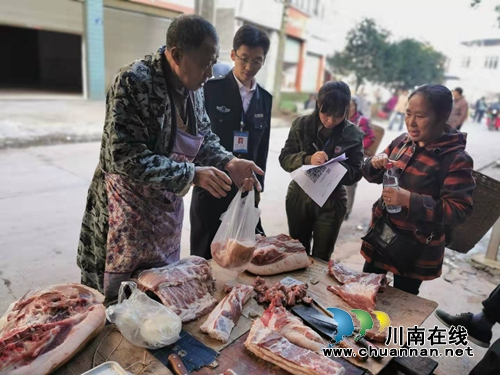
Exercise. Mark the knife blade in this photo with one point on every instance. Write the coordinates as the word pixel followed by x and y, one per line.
pixel 177 365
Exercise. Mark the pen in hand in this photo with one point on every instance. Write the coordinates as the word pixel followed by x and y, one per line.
pixel 316 147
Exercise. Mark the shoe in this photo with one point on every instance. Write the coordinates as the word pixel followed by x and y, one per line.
pixel 475 334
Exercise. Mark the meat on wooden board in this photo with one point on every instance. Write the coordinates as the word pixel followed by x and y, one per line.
pixel 232 254
pixel 360 289
pixel 46 327
pixel 288 295
pixel 273 347
pixel 224 317
pixel 277 254
pixel 279 319
pixel 186 287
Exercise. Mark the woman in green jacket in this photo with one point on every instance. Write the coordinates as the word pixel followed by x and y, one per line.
pixel 315 139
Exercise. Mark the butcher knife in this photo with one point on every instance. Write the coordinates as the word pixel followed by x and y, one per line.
pixel 324 325
pixel 177 365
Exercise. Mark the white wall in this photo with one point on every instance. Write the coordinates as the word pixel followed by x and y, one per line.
pixel 129 36
pixel 54 15
pixel 476 79
pixel 262 12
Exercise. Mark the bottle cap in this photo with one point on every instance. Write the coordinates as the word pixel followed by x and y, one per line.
pixel 389 165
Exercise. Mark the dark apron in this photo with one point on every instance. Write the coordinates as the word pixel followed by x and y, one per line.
pixel 145 222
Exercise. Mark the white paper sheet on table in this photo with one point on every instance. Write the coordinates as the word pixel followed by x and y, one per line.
pixel 319 181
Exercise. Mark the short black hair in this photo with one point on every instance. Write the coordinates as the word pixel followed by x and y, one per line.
pixel 188 32
pixel 334 99
pixel 251 36
pixel 459 90
pixel 439 97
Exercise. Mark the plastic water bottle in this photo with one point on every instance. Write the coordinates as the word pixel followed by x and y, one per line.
pixel 391 179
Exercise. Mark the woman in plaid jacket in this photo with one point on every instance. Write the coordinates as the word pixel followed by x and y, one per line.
pixel 430 203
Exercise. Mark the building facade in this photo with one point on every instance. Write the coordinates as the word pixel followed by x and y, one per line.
pixel 474 66
pixel 46 42
pixel 308 39
pixel 78 45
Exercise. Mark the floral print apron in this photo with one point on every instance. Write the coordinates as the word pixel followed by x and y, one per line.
pixel 145 223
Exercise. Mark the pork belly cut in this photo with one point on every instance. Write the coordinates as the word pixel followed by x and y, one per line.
pixel 277 254
pixel 279 319
pixel 224 317
pixel 186 287
pixel 273 347
pixel 360 289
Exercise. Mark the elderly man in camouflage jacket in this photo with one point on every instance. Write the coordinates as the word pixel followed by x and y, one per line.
pixel 156 128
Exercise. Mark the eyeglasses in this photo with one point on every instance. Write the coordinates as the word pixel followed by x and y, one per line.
pixel 254 63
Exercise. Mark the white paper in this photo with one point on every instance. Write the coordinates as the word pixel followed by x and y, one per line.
pixel 338 158
pixel 319 181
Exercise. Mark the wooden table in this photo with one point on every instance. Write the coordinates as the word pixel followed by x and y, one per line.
pixel 110 345
pixel 403 308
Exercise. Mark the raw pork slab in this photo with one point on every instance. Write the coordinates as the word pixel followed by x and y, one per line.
pixel 186 287
pixel 224 317
pixel 277 254
pixel 271 346
pixel 45 328
pixel 360 289
pixel 279 319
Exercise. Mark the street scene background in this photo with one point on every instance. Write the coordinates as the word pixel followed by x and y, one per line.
pixel 51 122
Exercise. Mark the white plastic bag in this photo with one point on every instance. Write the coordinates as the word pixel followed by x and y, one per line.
pixel 143 321
pixel 234 243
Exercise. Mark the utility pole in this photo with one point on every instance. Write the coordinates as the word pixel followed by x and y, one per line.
pixel 281 57
pixel 206 9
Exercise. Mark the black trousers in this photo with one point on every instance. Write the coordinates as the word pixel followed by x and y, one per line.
pixel 403 283
pixel 490 364
pixel 491 306
pixel 307 221
pixel 205 214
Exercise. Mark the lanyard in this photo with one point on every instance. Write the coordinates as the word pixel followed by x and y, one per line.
pixel 242 122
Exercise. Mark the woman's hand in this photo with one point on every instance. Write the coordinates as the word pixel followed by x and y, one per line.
pixel 319 158
pixel 380 161
pixel 396 197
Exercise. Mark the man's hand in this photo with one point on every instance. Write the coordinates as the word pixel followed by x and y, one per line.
pixel 242 172
pixel 380 161
pixel 319 158
pixel 213 180
pixel 396 197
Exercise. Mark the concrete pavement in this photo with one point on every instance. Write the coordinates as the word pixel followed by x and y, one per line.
pixel 42 197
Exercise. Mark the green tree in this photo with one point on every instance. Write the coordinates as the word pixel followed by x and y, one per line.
pixel 364 53
pixel 476 3
pixel 415 63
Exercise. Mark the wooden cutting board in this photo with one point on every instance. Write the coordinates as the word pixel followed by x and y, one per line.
pixel 237 358
pixel 404 309
pixel 110 345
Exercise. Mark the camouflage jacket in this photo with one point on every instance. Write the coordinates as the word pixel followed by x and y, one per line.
pixel 138 137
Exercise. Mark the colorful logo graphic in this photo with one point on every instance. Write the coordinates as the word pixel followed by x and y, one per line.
pixel 346 325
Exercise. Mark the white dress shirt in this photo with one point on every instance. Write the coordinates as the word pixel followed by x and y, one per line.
pixel 246 93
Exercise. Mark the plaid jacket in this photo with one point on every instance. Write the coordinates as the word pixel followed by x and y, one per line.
pixel 432 206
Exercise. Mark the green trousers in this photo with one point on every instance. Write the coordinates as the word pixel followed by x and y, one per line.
pixel 307 221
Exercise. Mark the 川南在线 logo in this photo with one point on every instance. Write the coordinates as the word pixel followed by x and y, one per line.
pixel 346 326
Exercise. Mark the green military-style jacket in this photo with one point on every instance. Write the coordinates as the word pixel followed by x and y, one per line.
pixel 137 139
pixel 344 138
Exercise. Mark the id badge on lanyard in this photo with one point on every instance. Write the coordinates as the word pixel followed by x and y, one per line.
pixel 240 139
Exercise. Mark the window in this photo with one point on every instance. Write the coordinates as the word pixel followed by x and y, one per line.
pixel 316 7
pixel 466 62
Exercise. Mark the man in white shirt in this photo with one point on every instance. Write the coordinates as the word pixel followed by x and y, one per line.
pixel 240 113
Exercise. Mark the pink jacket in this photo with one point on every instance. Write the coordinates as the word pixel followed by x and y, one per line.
pixel 364 124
